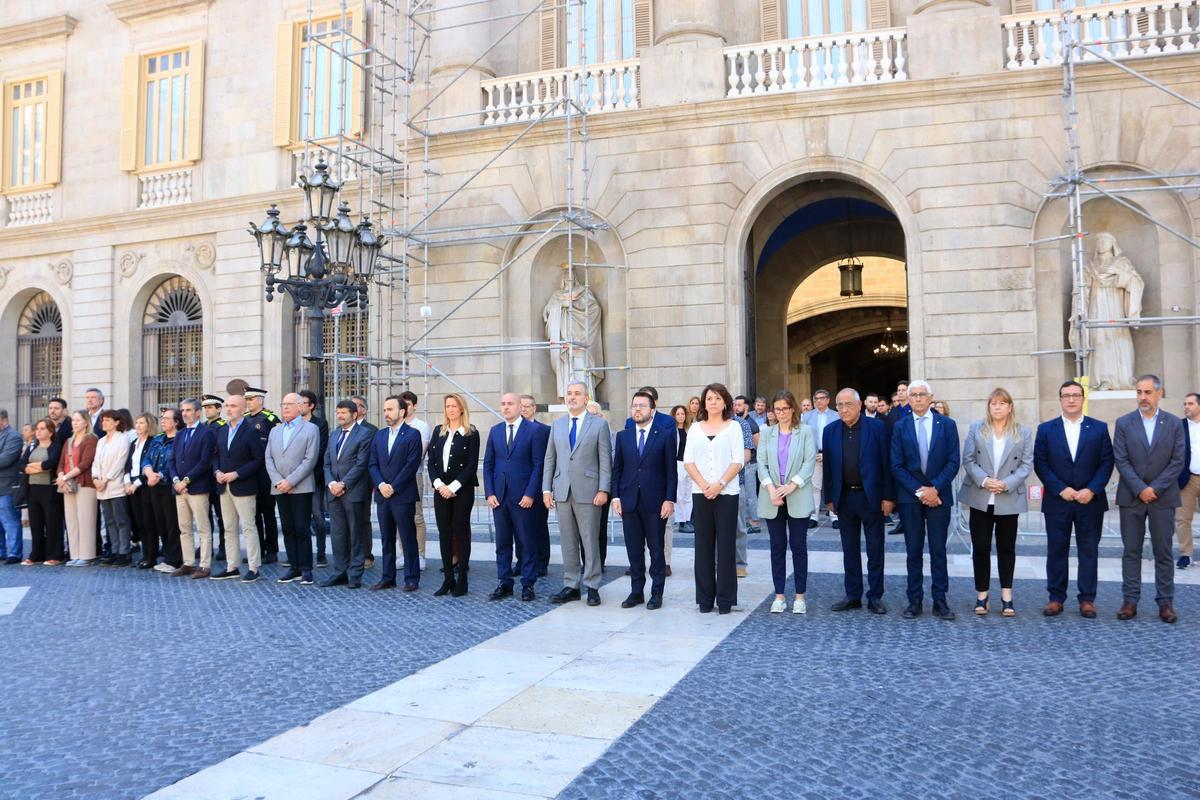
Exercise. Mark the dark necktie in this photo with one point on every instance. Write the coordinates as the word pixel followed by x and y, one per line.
pixel 571 435
pixel 641 440
pixel 337 450
pixel 510 437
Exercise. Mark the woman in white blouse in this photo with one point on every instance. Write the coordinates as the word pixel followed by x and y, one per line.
pixel 713 457
pixel 997 459
pixel 453 457
pixel 108 472
pixel 141 506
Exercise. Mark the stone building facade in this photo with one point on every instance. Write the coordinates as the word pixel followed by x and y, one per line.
pixel 741 147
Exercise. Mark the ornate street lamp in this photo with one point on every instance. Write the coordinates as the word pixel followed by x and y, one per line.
pixel 851 270
pixel 340 235
pixel 271 236
pixel 320 190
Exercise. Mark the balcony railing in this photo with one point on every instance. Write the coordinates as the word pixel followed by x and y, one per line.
pixel 816 62
pixel 1158 29
pixel 594 88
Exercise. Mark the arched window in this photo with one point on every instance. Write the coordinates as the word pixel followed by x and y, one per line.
pixel 39 357
pixel 344 335
pixel 172 345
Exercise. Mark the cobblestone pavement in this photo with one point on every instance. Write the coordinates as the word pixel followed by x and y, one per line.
pixel 118 681
pixel 858 706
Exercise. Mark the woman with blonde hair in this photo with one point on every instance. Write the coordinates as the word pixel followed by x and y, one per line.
pixel 453 457
pixel 941 407
pixel 138 491
pixel 683 496
pixel 997 459
pixel 74 482
pixel 693 408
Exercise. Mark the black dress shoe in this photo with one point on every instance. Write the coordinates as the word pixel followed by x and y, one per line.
pixel 527 594
pixel 912 611
pixel 941 610
pixel 410 587
pixel 460 583
pixel 383 585
pixel 336 580
pixel 634 599
pixel 447 584
pixel 566 595
pixel 500 592
pixel 724 610
pixel 270 558
pixel 145 565
pixel 354 583
pixel 876 607
pixel 706 609
pixel 593 597
pixel 846 604
pixel 654 603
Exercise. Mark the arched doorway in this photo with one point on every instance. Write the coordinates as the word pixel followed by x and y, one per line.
pixel 172 345
pixel 805 331
pixel 39 357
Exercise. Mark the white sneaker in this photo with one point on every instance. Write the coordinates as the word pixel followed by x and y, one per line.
pixel 422 562
pixel 800 606
pixel 164 567
pixel 778 606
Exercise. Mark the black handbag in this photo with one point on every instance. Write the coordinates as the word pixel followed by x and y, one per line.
pixel 20 491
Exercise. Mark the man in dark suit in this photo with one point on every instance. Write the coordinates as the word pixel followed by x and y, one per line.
pixel 925 459
pixel 192 465
pixel 541 514
pixel 1148 448
pixel 57 411
pixel 239 460
pixel 661 422
pixel 858 488
pixel 644 480
pixel 347 460
pixel 1073 458
pixel 512 476
pixel 360 403
pixel 308 409
pixel 394 461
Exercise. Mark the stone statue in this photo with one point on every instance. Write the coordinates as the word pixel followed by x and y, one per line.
pixel 1113 290
pixel 572 314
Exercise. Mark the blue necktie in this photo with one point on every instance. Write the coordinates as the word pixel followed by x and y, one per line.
pixel 923 441
pixel 337 449
pixel 641 440
pixel 571 435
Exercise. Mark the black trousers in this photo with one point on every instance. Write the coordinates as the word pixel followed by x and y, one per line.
pixel 644 529
pixel 454 528
pixel 368 535
pixel 45 523
pixel 141 513
pixel 216 520
pixel 983 523
pixel 295 513
pixel 716 550
pixel 166 527
pixel 346 536
pixel 264 520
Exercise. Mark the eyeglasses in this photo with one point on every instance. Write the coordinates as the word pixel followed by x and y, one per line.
pixel 850 404
pixel 781 410
pixel 1075 396
pixel 919 394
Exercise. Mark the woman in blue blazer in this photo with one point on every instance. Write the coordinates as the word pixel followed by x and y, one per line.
pixel 787 458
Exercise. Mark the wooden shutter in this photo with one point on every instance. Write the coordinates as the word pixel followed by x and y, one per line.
pixel 195 117
pixel 548 35
pixel 130 69
pixel 6 134
pixel 879 14
pixel 1023 6
pixel 285 82
pixel 54 118
pixel 358 97
pixel 771 13
pixel 643 26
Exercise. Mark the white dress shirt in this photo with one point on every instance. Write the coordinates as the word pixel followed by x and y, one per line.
pixel 135 461
pixel 1072 430
pixel 997 454
pixel 454 485
pixel 1194 438
pixel 712 458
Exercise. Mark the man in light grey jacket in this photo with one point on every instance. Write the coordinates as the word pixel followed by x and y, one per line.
pixel 1148 450
pixel 575 481
pixel 292 451
pixel 11 541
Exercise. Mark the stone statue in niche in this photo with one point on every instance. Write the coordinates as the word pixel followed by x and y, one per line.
pixel 1113 290
pixel 572 314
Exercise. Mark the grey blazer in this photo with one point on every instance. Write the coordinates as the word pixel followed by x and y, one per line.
pixel 1014 469
pixel 297 462
pixel 350 465
pixel 583 471
pixel 802 462
pixel 1141 464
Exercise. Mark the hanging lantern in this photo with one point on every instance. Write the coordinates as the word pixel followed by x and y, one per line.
pixel 320 189
pixel 851 270
pixel 341 237
pixel 271 236
pixel 298 251
pixel 366 252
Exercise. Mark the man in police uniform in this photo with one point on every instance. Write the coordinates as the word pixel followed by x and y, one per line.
pixel 211 404
pixel 262 421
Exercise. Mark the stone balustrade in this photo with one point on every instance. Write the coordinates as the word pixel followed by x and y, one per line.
pixel 33 208
pixel 595 88
pixel 342 169
pixel 1159 29
pixel 157 189
pixel 816 62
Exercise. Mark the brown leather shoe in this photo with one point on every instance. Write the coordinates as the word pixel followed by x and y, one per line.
pixel 1128 611
pixel 1167 614
pixel 201 573
pixel 668 572
pixel 1052 609
pixel 181 571
pixel 1087 609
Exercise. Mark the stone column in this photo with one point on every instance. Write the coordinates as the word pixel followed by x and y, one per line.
pixel 453 49
pixel 686 64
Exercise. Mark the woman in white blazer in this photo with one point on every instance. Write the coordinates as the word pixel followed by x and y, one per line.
pixel 787 458
pixel 997 458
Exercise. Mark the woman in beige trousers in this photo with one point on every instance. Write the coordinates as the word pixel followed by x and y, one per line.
pixel 74 481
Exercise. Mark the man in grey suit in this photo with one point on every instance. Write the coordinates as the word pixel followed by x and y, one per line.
pixel 575 481
pixel 349 486
pixel 1148 450
pixel 292 451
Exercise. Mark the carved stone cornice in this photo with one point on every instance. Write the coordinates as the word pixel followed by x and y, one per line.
pixel 130 10
pixel 36 30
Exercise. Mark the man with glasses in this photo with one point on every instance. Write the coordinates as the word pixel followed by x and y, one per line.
pixel 820 416
pixel 1073 458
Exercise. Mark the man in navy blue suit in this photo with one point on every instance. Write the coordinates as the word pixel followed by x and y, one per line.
pixel 192 465
pixel 1073 458
pixel 239 460
pixel 512 477
pixel 644 480
pixel 858 489
pixel 393 464
pixel 925 460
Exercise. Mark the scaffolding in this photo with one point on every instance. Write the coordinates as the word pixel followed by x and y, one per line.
pixel 395 174
pixel 1080 44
